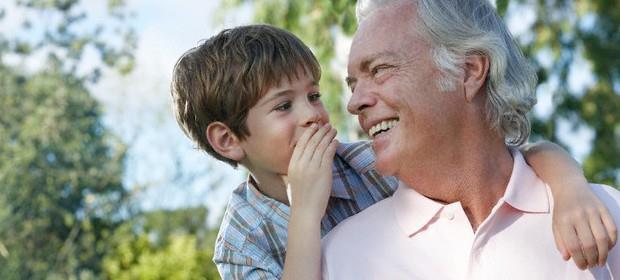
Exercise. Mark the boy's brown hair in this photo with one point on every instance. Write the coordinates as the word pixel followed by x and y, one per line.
pixel 225 76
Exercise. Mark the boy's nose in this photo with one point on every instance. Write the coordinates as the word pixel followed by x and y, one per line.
pixel 311 115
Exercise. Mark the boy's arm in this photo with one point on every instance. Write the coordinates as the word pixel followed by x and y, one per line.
pixel 309 184
pixel 582 225
pixel 232 265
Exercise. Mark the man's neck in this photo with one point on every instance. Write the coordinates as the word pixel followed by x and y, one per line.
pixel 474 173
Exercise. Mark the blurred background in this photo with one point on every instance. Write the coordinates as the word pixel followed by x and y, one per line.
pixel 98 182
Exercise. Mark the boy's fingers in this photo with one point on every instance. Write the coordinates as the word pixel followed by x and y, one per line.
pixel 328 156
pixel 559 244
pixel 602 240
pixel 303 141
pixel 314 142
pixel 323 145
pixel 610 226
pixel 574 247
pixel 588 244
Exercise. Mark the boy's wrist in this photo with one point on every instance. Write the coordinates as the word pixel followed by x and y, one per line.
pixel 570 185
pixel 303 216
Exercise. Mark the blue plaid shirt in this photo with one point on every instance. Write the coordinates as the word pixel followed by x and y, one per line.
pixel 251 243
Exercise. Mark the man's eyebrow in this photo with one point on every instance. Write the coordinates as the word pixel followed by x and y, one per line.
pixel 366 61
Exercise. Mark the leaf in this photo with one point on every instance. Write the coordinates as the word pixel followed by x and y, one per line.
pixel 502 7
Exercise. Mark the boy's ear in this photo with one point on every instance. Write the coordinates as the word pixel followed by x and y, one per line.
pixel 224 141
pixel 476 72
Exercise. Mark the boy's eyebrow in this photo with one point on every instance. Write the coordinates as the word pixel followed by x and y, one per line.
pixel 278 94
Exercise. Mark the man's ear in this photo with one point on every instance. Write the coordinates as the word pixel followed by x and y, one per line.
pixel 224 141
pixel 476 72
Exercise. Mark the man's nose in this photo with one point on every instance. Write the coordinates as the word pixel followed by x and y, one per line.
pixel 360 99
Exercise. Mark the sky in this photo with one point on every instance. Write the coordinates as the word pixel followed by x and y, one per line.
pixel 137 107
pixel 162 161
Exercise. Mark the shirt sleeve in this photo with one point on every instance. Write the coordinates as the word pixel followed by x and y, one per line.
pixel 235 265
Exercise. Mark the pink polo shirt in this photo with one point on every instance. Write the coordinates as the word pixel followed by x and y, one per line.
pixel 409 236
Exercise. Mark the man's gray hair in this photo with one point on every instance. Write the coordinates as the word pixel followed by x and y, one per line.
pixel 458 28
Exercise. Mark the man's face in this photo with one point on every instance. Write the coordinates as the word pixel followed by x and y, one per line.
pixel 277 121
pixel 394 89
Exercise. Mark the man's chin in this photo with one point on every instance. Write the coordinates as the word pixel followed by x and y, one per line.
pixel 385 167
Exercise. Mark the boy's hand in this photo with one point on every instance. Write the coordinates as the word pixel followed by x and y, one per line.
pixel 309 179
pixel 582 226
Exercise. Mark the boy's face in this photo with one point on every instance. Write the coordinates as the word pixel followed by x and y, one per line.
pixel 277 121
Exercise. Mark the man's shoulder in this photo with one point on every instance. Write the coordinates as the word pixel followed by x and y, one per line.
pixel 605 189
pixel 610 197
pixel 360 226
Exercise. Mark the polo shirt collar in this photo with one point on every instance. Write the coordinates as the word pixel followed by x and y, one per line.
pixel 525 191
pixel 413 210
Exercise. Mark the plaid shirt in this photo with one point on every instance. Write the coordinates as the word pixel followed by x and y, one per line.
pixel 251 243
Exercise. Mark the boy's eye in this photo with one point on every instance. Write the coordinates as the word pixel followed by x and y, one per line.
pixel 284 106
pixel 315 96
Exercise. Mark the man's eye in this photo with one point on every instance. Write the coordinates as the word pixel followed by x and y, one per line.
pixel 284 106
pixel 379 69
pixel 315 96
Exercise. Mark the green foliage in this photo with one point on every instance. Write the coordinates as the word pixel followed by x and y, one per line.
pixel 502 6
pixel 558 28
pixel 62 196
pixel 163 245
pixel 561 27
pixel 61 174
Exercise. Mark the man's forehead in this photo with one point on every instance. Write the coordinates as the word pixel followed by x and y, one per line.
pixel 364 60
pixel 396 12
pixel 391 20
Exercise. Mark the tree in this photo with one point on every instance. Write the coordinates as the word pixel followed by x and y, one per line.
pixel 569 29
pixel 61 174
pixel 61 190
pixel 164 244
pixel 562 27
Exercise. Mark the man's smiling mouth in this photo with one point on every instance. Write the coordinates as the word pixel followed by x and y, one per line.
pixel 381 127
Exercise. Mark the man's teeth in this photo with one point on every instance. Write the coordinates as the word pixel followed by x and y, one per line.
pixel 382 127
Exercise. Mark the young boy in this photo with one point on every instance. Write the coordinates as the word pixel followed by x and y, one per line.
pixel 250 96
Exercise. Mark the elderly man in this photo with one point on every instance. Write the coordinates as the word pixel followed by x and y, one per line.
pixel 443 90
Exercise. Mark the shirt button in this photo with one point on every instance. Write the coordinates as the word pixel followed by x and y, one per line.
pixel 450 216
